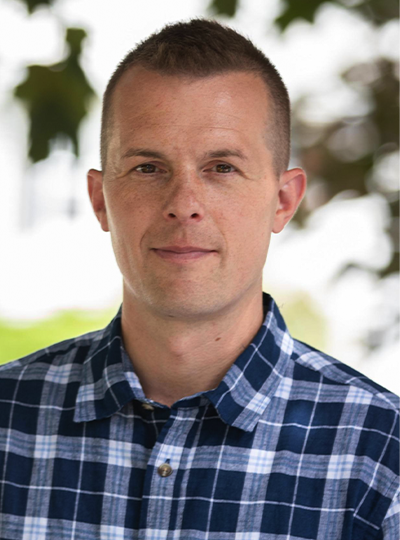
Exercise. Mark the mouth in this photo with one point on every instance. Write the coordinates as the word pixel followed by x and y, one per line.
pixel 182 253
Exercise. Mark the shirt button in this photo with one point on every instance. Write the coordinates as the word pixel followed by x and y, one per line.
pixel 147 407
pixel 164 470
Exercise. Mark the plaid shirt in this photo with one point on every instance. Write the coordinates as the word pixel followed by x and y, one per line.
pixel 291 445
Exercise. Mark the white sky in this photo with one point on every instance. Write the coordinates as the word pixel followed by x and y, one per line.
pixel 37 276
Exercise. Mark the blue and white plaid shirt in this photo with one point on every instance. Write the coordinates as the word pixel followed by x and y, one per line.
pixel 291 445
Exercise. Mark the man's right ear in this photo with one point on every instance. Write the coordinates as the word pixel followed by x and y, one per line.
pixel 96 195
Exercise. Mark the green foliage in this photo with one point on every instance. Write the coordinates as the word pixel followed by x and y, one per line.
pixel 377 11
pixel 33 4
pixel 22 339
pixel 57 99
pixel 224 7
pixel 295 10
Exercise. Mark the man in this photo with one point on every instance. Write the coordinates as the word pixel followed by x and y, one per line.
pixel 194 414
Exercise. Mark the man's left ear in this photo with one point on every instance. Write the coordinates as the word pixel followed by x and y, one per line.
pixel 291 191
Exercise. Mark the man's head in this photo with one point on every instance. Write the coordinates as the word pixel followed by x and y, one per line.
pixel 194 183
pixel 203 48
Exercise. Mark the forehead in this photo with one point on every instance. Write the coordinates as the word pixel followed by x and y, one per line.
pixel 151 108
pixel 143 92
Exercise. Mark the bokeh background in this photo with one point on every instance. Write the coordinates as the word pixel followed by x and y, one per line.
pixel 334 271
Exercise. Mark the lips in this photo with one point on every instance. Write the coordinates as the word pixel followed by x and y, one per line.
pixel 182 253
pixel 183 249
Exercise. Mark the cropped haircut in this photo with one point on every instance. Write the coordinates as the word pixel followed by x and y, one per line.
pixel 203 48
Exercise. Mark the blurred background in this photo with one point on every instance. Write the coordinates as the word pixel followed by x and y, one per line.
pixel 334 271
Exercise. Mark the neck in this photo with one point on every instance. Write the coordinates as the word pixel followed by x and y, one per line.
pixel 177 358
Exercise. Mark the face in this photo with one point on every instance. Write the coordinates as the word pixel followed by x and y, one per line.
pixel 189 194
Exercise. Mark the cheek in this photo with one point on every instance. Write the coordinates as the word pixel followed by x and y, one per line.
pixel 254 218
pixel 125 208
pixel 127 217
pixel 249 233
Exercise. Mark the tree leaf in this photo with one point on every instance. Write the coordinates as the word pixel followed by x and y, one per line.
pixel 294 10
pixel 56 98
pixel 377 11
pixel 224 7
pixel 33 4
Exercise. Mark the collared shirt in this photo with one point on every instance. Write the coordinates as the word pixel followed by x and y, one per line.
pixel 291 445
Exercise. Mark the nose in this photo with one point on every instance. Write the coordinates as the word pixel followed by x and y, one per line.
pixel 185 201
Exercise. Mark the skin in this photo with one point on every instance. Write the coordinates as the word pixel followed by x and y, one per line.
pixel 188 165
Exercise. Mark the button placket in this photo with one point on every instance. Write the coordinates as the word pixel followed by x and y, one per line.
pixel 170 452
pixel 166 459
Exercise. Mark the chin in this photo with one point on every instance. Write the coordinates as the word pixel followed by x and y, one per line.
pixel 186 305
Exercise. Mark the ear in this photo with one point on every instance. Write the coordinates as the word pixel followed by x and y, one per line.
pixel 96 195
pixel 292 188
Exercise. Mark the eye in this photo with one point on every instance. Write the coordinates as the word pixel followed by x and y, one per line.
pixel 147 168
pixel 223 168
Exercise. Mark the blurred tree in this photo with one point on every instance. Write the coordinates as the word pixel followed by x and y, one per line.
pixel 377 11
pixel 346 155
pixel 57 99
pixel 349 153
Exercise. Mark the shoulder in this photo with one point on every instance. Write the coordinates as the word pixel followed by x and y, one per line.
pixel 353 422
pixel 335 372
pixel 339 379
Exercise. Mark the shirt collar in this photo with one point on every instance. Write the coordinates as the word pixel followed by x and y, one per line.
pixel 107 383
pixel 104 388
pixel 251 382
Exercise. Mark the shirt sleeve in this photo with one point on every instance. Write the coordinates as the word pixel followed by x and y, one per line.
pixel 391 523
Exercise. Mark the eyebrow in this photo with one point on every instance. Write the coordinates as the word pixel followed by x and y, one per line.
pixel 225 152
pixel 216 154
pixel 143 152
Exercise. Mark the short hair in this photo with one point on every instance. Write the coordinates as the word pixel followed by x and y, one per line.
pixel 203 48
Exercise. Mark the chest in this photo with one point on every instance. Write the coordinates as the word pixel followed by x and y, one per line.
pixel 150 474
